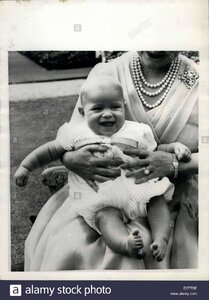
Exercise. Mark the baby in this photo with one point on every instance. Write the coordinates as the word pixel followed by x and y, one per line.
pixel 116 203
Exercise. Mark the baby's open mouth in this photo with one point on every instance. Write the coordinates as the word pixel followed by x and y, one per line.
pixel 107 124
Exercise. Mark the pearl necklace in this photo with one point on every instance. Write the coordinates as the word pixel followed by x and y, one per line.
pixel 154 85
pixel 165 83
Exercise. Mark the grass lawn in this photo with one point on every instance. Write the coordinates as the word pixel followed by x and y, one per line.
pixel 32 123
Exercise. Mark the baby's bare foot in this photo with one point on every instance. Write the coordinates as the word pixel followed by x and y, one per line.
pixel 134 245
pixel 158 249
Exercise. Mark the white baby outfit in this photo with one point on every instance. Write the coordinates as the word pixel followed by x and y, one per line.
pixel 121 193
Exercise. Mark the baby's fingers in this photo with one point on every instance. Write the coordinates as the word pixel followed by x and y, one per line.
pixel 179 153
pixel 93 185
pixel 21 181
pixel 179 156
pixel 186 156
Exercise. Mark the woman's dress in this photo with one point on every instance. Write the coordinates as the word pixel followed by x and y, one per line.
pixel 61 240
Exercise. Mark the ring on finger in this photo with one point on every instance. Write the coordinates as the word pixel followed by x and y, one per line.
pixel 146 171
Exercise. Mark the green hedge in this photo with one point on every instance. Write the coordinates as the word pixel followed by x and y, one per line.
pixel 79 59
pixel 63 59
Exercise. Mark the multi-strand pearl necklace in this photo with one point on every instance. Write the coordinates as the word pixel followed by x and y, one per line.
pixel 164 85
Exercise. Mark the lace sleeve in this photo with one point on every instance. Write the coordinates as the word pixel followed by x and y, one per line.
pixel 65 136
pixel 148 138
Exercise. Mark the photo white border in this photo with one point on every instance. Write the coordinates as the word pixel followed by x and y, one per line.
pixel 106 25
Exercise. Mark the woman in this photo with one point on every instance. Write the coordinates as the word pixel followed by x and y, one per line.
pixel 160 88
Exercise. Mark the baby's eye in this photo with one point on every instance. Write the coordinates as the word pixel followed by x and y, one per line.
pixel 116 107
pixel 96 108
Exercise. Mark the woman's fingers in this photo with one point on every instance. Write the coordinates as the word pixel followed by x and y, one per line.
pixel 136 173
pixel 141 176
pixel 141 153
pixel 139 161
pixel 111 173
pixel 145 178
pixel 135 163
pixel 100 178
pixel 96 148
pixel 86 165
pixel 104 162
pixel 93 185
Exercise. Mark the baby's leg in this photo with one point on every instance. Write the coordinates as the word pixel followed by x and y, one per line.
pixel 159 220
pixel 110 223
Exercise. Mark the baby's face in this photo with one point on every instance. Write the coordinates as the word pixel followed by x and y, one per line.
pixel 104 112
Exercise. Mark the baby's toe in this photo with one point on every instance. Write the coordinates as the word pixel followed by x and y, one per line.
pixel 139 245
pixel 135 232
pixel 138 241
pixel 153 247
pixel 155 253
pixel 160 257
pixel 138 238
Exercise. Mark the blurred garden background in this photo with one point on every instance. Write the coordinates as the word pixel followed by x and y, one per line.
pixel 43 90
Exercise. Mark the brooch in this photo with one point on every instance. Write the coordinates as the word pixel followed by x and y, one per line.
pixel 189 77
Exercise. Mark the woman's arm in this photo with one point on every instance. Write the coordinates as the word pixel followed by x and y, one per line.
pixel 160 163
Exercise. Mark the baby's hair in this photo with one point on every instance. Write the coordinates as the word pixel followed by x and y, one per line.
pixel 102 83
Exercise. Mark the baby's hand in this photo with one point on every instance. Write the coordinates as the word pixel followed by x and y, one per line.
pixel 182 152
pixel 21 176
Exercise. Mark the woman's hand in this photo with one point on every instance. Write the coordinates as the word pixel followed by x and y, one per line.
pixel 90 168
pixel 148 165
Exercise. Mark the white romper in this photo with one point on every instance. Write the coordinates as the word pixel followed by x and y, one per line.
pixel 121 193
